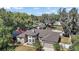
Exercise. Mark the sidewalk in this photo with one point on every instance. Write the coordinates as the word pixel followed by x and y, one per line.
pixel 48 47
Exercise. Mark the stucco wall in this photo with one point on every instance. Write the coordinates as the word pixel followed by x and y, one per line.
pixel 21 40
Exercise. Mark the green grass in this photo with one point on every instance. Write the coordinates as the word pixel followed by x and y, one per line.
pixel 75 42
pixel 76 48
pixel 75 38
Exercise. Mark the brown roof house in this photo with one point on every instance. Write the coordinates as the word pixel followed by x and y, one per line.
pixel 43 35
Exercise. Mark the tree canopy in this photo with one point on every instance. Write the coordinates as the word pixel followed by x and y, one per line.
pixel 69 20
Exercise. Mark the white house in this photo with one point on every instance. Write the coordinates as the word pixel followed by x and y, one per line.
pixel 28 37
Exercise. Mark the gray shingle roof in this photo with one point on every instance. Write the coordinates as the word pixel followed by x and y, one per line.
pixel 42 32
pixel 53 37
pixel 31 32
pixel 28 32
pixel 49 36
pixel 22 34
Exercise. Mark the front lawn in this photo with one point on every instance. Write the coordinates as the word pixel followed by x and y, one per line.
pixel 24 48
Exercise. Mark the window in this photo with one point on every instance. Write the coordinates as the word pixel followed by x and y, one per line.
pixel 29 36
pixel 29 40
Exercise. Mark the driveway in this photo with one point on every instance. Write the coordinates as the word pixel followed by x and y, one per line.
pixel 48 47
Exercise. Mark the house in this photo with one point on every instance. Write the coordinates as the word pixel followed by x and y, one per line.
pixel 29 36
pixel 48 22
pixel 57 23
pixel 50 38
pixel 16 33
pixel 43 35
pixel 41 26
pixel 65 43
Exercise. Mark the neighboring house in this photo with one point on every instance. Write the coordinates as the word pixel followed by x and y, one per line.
pixel 48 22
pixel 65 43
pixel 43 35
pixel 16 33
pixel 41 26
pixel 57 23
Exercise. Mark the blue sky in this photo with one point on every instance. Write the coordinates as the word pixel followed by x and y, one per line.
pixel 36 10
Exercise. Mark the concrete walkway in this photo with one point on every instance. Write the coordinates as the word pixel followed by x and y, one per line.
pixel 48 47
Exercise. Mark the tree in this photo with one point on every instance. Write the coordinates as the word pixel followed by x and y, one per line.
pixel 64 21
pixel 73 14
pixel 69 21
pixel 3 37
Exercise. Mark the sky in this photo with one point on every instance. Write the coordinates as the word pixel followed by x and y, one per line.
pixel 36 10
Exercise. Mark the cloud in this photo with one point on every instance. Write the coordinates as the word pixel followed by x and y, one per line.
pixel 18 8
pixel 49 8
pixel 48 12
pixel 36 8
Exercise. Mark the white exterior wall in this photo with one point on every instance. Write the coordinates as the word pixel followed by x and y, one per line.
pixel 21 40
pixel 31 39
pixel 65 45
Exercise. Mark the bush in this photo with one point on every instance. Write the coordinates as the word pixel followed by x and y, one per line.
pixel 75 47
pixel 38 45
pixel 56 47
pixel 4 45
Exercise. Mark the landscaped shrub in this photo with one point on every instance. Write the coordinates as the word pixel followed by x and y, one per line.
pixel 56 46
pixel 38 45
